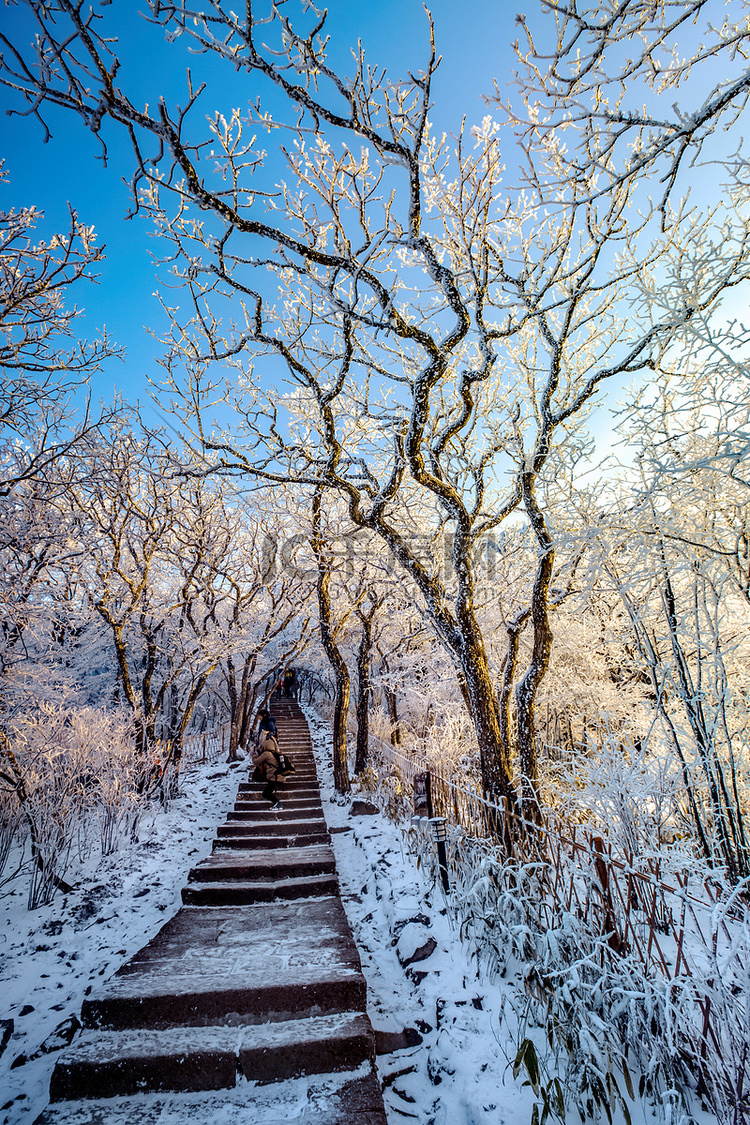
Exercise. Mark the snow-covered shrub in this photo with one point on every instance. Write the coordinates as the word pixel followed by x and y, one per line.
pixel 67 770
pixel 119 804
pixel 387 784
pixel 718 998
pixel 10 825
pixel 612 1021
pixel 630 794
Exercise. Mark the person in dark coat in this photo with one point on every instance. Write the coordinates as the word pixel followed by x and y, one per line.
pixel 289 683
pixel 266 726
pixel 268 760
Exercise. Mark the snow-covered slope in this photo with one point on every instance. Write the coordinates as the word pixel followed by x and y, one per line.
pixel 420 976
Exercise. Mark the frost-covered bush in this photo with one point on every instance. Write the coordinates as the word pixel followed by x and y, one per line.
pixel 66 772
pixel 392 790
pixel 629 794
pixel 10 825
pixel 613 1021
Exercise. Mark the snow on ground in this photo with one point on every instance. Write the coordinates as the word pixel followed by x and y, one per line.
pixel 419 974
pixel 459 1074
pixel 52 957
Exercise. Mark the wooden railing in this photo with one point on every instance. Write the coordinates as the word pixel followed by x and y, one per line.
pixel 206 747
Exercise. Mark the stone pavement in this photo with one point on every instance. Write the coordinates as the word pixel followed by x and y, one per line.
pixel 249 1004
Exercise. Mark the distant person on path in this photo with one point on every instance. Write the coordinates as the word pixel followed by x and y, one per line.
pixel 290 681
pixel 269 761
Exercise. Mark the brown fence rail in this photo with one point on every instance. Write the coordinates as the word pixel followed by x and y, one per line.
pixel 206 747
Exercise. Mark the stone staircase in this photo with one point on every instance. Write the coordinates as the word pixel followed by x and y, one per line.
pixel 255 980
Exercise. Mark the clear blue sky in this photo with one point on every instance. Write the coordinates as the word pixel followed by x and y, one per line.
pixel 473 36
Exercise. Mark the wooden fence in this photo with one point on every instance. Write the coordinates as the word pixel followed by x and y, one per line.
pixel 206 747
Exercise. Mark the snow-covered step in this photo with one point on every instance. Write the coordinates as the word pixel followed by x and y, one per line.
pixel 236 892
pixel 105 1064
pixel 348 1098
pixel 275 821
pixel 246 838
pixel 300 779
pixel 272 864
pixel 299 788
pixel 252 798
pixel 302 807
pixel 251 827
pixel 245 963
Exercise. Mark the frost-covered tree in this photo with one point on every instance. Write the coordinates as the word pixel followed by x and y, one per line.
pixel 265 621
pixel 152 542
pixel 44 407
pixel 676 555
pixel 447 332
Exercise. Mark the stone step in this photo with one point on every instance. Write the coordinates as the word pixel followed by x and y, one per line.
pixel 236 964
pixel 301 758
pixel 301 776
pixel 249 826
pixel 273 825
pixel 293 862
pixel 294 797
pixel 349 1098
pixel 296 744
pixel 233 838
pixel 300 786
pixel 237 892
pixel 299 791
pixel 288 818
pixel 300 744
pixel 111 1064
pixel 304 806
pixel 299 783
pixel 292 781
pixel 264 810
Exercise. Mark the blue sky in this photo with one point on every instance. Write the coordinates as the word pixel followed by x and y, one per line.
pixel 474 37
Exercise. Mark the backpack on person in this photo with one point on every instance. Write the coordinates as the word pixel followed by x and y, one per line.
pixel 285 765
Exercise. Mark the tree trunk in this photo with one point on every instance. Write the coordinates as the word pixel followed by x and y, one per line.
pixel 392 705
pixel 526 690
pixel 363 696
pixel 513 631
pixel 248 711
pixel 338 664
pixel 495 763
pixel 238 698
pixel 128 690
pixel 231 679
